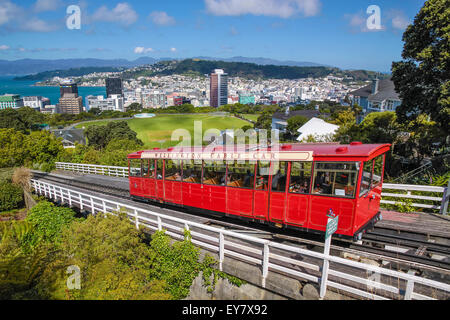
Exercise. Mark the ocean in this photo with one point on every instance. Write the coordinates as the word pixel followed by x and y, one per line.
pixel 26 88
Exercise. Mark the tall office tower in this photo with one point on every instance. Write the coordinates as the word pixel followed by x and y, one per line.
pixel 71 103
pixel 68 86
pixel 114 87
pixel 218 88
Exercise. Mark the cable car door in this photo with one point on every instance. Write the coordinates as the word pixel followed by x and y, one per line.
pixel 149 183
pixel 277 192
pixel 261 193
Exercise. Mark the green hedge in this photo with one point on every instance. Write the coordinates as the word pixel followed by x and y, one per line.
pixel 11 196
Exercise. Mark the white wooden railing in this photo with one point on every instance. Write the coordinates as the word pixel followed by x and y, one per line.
pixel 420 201
pixel 436 203
pixel 264 253
pixel 93 169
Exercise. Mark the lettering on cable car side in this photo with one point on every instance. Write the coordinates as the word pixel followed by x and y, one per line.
pixel 232 156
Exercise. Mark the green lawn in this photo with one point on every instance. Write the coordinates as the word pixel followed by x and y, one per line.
pixel 252 117
pixel 161 127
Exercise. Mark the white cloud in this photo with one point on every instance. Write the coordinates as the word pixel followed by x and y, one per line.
pixel 123 13
pixel 47 5
pixel 173 49
pixel 161 18
pixel 280 8
pixel 37 25
pixel 8 11
pixel 400 21
pixel 14 18
pixel 4 47
pixel 141 50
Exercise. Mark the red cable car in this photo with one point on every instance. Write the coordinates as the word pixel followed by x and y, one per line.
pixel 290 186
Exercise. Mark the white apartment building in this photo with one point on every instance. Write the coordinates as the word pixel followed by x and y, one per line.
pixel 113 103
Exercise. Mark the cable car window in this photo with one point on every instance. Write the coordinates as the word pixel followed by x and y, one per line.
pixel 377 171
pixel 135 168
pixel 159 169
pixel 241 174
pixel 192 172
pixel 300 177
pixel 146 168
pixel 262 176
pixel 335 179
pixel 173 170
pixel 279 170
pixel 152 174
pixel 214 173
pixel 366 179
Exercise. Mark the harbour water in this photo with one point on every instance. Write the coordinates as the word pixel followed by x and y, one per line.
pixel 26 88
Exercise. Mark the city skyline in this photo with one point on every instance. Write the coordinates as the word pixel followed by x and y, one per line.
pixel 319 31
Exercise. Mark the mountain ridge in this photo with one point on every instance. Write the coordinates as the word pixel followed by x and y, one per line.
pixel 32 66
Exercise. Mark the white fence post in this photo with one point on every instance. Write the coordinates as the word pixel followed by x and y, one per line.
pixel 409 287
pixel 445 200
pixel 265 264
pixel 221 250
pixel 325 268
pixel 159 224
pixel 92 206
pixel 136 219
pixel 81 202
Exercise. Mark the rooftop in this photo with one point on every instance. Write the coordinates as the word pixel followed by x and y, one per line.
pixel 386 90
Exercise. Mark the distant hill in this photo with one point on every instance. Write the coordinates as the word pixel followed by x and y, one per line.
pixel 266 61
pixel 245 70
pixel 33 66
pixel 75 72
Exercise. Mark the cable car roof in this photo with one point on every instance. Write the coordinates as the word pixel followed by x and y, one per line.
pixel 282 152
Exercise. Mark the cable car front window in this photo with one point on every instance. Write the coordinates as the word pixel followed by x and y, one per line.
pixel 366 179
pixel 337 179
pixel 135 168
pixel 377 171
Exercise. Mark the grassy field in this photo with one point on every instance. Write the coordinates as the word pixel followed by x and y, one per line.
pixel 160 128
pixel 252 117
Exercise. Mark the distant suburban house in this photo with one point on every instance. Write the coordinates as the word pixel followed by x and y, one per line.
pixel 321 130
pixel 70 137
pixel 377 97
pixel 279 119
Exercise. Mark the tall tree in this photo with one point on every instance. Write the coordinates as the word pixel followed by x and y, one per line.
pixel 422 78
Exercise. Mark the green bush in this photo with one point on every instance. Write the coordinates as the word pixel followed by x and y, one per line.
pixel 48 222
pixel 11 196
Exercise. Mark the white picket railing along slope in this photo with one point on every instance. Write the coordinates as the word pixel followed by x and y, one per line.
pixel 265 254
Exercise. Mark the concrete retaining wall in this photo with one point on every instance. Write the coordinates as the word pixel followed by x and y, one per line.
pixel 278 287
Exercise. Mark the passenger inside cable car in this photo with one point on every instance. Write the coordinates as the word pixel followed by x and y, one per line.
pixel 300 177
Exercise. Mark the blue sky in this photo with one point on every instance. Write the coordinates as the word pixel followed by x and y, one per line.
pixel 324 31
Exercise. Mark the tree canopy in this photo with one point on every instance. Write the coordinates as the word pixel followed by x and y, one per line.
pixel 422 78
pixel 100 136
